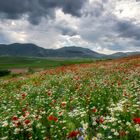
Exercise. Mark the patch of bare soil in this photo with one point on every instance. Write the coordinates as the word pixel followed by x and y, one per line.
pixel 19 70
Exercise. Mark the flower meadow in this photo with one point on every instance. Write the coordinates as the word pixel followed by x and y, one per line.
pixel 97 101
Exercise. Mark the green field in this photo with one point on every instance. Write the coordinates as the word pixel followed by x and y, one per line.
pixel 25 62
pixel 96 101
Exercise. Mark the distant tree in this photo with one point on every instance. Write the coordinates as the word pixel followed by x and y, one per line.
pixel 4 72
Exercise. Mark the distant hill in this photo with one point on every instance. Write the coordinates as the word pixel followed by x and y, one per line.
pixel 122 54
pixel 73 51
pixel 17 49
pixel 32 50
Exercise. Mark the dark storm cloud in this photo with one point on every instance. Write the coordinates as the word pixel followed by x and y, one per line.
pixel 36 9
pixel 72 7
pixel 66 29
pixel 128 29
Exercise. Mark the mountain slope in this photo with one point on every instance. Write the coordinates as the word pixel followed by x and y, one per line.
pixel 74 51
pixel 21 50
pixel 122 54
pixel 31 50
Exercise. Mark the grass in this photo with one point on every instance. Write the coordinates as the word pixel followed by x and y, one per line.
pixel 26 62
pixel 98 101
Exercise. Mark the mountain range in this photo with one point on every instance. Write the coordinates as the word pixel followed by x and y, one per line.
pixel 32 50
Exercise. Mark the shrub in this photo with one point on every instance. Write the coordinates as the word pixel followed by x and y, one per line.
pixel 4 72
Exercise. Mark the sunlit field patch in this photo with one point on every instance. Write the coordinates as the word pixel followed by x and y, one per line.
pixel 98 101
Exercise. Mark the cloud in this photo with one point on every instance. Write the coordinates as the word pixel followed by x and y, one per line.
pixel 128 29
pixel 65 28
pixel 111 29
pixel 67 31
pixel 105 26
pixel 35 10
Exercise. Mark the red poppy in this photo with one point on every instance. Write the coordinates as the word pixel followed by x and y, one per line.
pixel 27 121
pixel 54 101
pixel 136 120
pixel 73 134
pixel 15 118
pixel 52 118
pixel 63 104
pixel 18 124
pixel 49 93
pixel 94 110
pixel 23 95
pixel 55 119
pixel 124 94
pixel 101 120
pixel 24 115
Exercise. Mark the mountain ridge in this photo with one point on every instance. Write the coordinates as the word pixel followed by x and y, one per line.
pixel 32 50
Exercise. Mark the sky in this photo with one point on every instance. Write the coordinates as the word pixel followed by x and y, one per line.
pixel 105 26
